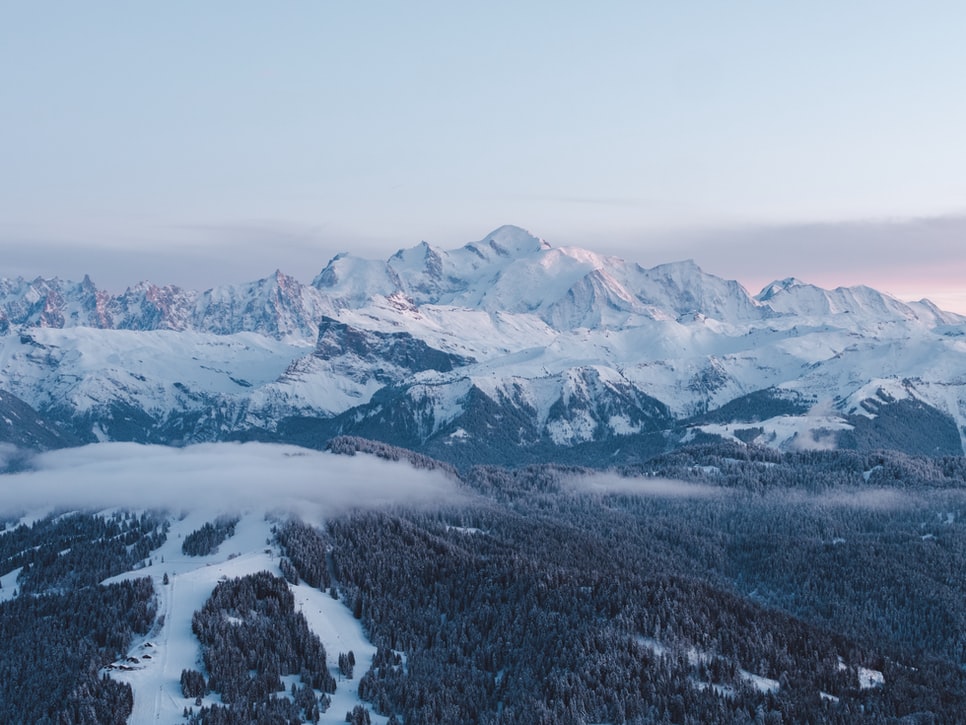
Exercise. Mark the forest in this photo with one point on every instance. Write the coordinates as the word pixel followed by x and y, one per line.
pixel 553 600
pixel 249 625
pixel 63 626
pixel 716 584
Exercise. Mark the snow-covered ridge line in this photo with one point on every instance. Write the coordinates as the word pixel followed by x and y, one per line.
pixel 277 306
pixel 437 350
pixel 510 270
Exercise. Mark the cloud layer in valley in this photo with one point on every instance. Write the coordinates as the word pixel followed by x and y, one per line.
pixel 646 486
pixel 219 475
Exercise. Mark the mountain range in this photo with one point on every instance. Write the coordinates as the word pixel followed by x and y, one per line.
pixel 505 350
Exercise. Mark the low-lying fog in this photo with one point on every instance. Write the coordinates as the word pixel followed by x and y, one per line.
pixel 222 475
pixel 228 476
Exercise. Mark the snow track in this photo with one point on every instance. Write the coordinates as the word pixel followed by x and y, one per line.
pixel 154 663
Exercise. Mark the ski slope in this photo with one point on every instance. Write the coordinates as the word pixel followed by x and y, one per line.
pixel 171 647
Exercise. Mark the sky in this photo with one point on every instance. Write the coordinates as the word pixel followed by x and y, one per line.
pixel 209 143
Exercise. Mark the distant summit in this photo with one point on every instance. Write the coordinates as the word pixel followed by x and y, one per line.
pixel 777 287
pixel 506 349
pixel 510 241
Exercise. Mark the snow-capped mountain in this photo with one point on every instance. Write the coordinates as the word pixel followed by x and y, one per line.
pixel 505 349
pixel 278 306
pixel 511 271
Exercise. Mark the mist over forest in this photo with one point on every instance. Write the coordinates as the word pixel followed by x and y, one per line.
pixel 714 584
pixel 249 475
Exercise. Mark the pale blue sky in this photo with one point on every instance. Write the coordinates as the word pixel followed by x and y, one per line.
pixel 210 142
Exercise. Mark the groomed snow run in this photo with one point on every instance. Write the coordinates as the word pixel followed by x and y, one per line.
pixel 171 647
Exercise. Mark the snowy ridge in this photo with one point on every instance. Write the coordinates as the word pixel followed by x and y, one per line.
pixel 793 297
pixel 573 346
pixel 278 306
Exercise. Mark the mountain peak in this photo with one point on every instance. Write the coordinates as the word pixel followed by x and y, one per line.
pixel 511 241
pixel 688 265
pixel 779 285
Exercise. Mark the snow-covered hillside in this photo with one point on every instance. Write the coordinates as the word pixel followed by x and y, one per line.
pixel 503 343
pixel 200 585
pixel 182 583
pixel 197 484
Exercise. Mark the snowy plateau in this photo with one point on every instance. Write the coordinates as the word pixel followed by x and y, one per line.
pixel 503 350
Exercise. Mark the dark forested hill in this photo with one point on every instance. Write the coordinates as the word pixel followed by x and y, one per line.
pixel 715 584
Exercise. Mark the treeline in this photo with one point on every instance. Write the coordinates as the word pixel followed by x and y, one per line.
pixel 209 537
pixel 350 445
pixel 251 636
pixel 307 552
pixel 545 604
pixel 68 551
pixel 55 644
pixel 499 630
pixel 716 462
pixel 761 469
